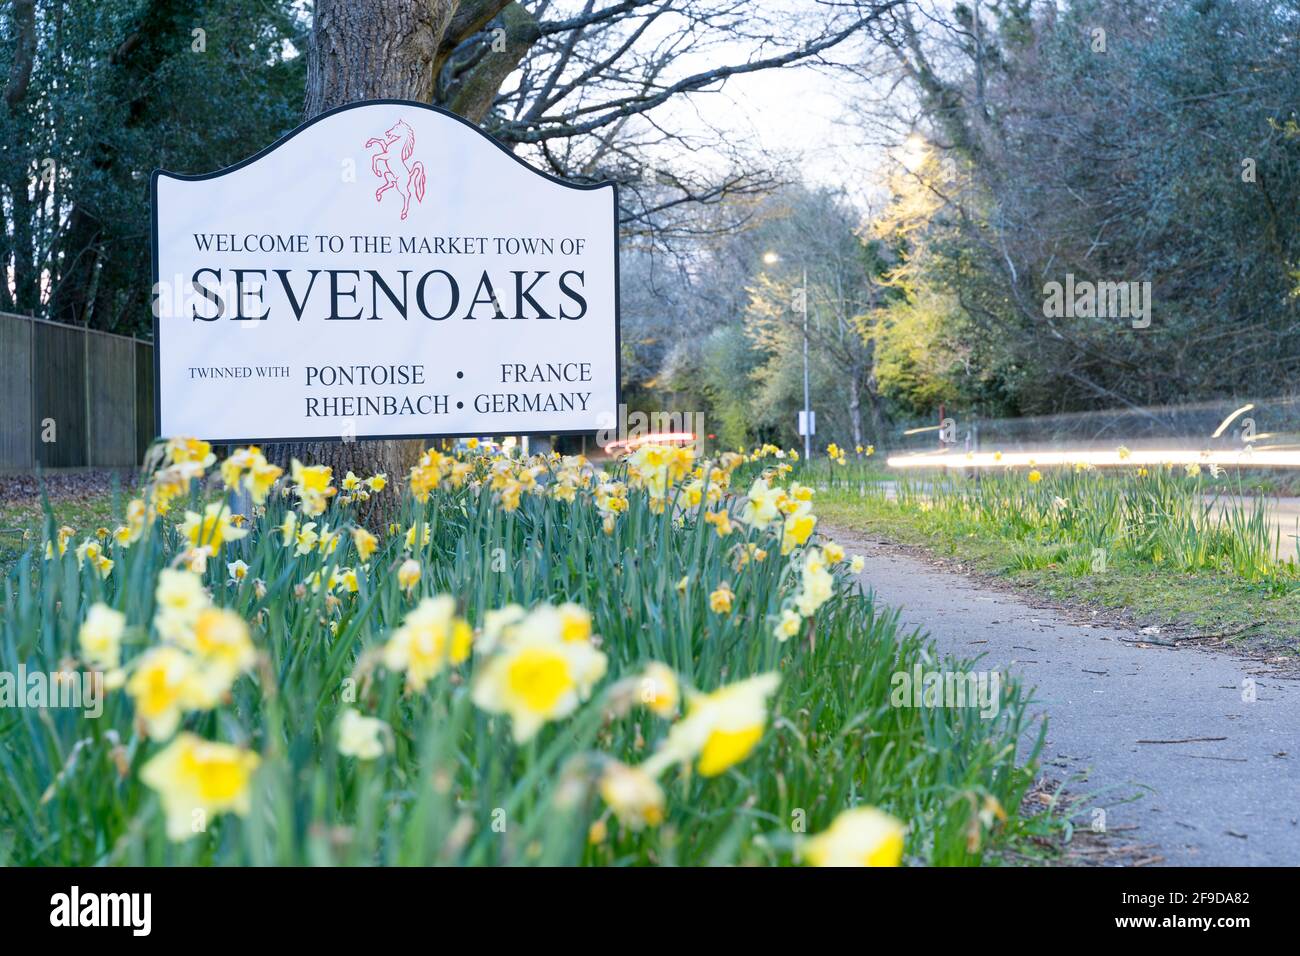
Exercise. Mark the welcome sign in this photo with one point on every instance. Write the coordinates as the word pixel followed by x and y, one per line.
pixel 386 270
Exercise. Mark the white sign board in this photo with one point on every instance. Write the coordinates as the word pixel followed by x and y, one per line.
pixel 803 423
pixel 386 270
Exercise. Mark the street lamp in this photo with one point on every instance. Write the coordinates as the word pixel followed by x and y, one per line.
pixel 772 258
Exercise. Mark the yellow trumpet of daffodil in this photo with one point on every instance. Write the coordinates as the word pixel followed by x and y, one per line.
pixel 535 674
pixel 863 836
pixel 721 728
pixel 365 543
pixel 192 774
pixel 431 637
pixel 165 682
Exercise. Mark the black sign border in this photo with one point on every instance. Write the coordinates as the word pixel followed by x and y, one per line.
pixel 153 297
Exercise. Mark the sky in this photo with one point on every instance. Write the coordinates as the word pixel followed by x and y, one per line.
pixel 796 111
pixel 803 109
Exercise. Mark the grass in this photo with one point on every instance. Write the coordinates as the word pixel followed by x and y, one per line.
pixel 1165 548
pixel 454 784
pixel 84 505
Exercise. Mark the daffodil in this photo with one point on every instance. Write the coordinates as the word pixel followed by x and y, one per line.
pixel 634 795
pixel 190 451
pixel 137 517
pixel 798 528
pixel 760 504
pixel 238 570
pixel 211 529
pixel 498 626
pixel 425 537
pixel 346 578
pixel 164 684
pixel 312 485
pixel 61 539
pixel 431 637
pixel 863 836
pixel 658 688
pixel 536 675
pixel 288 529
pixel 305 539
pixel 100 637
pixel 196 559
pixel 196 780
pixel 408 575
pixel 260 478
pixel 789 624
pixel 179 598
pixel 88 549
pixel 721 728
pixel 575 622
pixel 720 600
pixel 365 543
pixel 247 468
pixel 816 583
pixel 362 737
pixel 329 540
pixel 221 647
pixel 721 522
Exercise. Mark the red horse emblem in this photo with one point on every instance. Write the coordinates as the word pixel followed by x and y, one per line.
pixel 411 178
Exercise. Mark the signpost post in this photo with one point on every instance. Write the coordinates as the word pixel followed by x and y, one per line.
pixel 386 270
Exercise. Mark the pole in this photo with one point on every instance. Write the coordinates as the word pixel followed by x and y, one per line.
pixel 807 405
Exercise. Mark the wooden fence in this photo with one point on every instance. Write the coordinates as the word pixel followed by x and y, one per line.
pixel 70 397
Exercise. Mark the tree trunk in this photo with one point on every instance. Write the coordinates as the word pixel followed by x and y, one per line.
pixel 855 405
pixel 26 279
pixel 382 49
pixel 879 418
pixel 373 49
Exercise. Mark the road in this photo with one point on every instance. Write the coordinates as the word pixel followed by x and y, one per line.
pixel 1216 776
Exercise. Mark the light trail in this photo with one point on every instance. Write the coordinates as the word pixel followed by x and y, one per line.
pixel 655 438
pixel 1228 421
pixel 1249 457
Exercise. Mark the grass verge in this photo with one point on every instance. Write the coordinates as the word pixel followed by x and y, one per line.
pixel 1171 574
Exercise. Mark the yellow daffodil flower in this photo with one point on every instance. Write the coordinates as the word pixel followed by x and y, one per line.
pixel 721 728
pixel 193 776
pixel 430 638
pixel 863 836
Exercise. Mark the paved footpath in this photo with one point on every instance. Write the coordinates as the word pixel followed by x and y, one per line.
pixel 1227 796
